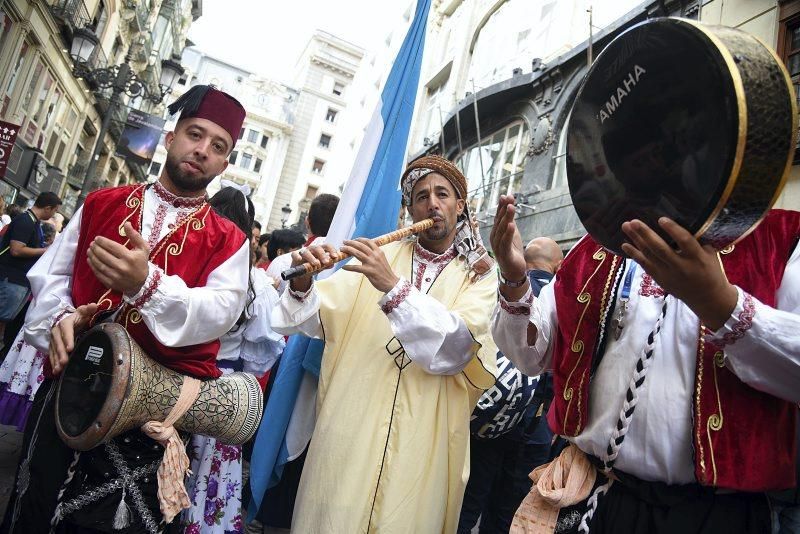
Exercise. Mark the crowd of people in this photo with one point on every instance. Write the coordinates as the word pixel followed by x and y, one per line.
pixel 521 391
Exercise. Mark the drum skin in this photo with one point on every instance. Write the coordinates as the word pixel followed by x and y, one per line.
pixel 140 390
pixel 685 120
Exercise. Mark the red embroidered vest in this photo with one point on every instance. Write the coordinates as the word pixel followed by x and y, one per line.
pixel 198 245
pixel 744 439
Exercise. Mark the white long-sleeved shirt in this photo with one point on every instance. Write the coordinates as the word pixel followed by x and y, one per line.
pixel 177 315
pixel 658 445
pixel 433 337
pixel 254 341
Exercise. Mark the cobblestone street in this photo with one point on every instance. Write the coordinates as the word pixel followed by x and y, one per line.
pixel 10 446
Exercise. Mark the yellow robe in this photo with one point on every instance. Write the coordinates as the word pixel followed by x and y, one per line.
pixel 390 450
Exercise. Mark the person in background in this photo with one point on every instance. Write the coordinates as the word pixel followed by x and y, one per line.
pixel 215 485
pixel 20 247
pixel 282 242
pixel 318 222
pixel 262 258
pixel 255 232
pixel 509 437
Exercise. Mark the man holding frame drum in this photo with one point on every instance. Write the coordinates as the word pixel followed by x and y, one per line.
pixel 159 261
pixel 674 347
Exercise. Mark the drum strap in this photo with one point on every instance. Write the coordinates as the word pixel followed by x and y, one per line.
pixel 172 494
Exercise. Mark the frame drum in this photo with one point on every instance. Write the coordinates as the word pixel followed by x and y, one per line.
pixel 679 119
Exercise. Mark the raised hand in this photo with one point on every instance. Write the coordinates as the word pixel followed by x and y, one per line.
pixel 507 247
pixel 373 263
pixel 693 273
pixel 62 336
pixel 117 267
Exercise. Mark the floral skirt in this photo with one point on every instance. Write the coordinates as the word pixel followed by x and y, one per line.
pixel 21 375
pixel 215 488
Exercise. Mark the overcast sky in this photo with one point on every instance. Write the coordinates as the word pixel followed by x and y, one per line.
pixel 267 36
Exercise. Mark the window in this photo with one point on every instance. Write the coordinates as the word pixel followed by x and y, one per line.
pixel 241 133
pixel 252 136
pixel 100 21
pixel 331 115
pixel 325 141
pixel 257 166
pixel 12 82
pixel 182 81
pixel 338 88
pixel 789 40
pixel 311 191
pixel 502 158
pixel 318 166
pixel 5 28
pixel 232 157
pixel 247 159
pixel 155 169
pixel 264 141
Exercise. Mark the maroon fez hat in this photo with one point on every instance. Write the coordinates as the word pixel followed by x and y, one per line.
pixel 208 102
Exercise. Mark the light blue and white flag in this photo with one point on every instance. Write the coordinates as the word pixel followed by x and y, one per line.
pixel 369 207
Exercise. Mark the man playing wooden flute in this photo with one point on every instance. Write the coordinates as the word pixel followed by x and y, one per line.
pixel 407 354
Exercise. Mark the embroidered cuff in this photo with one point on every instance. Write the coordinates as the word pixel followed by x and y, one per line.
pixel 520 307
pixel 148 289
pixel 740 321
pixel 60 315
pixel 397 295
pixel 297 295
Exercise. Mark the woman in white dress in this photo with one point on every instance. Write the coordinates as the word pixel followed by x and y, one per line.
pixel 215 486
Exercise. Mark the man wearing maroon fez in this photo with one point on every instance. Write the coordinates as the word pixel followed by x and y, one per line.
pixel 158 260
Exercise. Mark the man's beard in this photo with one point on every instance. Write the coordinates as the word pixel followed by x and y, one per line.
pixel 183 180
pixel 436 234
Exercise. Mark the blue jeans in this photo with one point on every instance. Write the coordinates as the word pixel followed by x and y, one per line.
pixel 785 516
pixel 12 298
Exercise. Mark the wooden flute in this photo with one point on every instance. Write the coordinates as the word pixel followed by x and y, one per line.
pixel 385 239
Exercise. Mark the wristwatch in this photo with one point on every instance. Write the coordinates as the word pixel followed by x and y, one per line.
pixel 512 283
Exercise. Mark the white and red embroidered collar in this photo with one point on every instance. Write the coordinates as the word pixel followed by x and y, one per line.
pixel 176 201
pixel 430 257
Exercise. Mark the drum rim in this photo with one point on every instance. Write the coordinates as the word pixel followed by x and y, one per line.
pixel 741 104
pixel 94 436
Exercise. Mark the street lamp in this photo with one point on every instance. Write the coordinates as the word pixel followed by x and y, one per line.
pixel 286 210
pixel 120 79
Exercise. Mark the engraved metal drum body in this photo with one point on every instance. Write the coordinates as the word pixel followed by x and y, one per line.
pixel 111 386
pixel 679 119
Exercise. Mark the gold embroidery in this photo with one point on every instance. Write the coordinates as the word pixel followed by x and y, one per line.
pixel 173 249
pixel 135 316
pixel 577 346
pixel 698 391
pixel 728 249
pixel 715 420
pixel 134 202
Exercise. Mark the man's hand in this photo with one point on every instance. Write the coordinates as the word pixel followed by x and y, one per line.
pixel 507 247
pixel 693 273
pixel 320 257
pixel 117 267
pixel 62 336
pixel 373 263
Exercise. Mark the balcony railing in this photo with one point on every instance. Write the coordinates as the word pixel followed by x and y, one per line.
pixel 70 13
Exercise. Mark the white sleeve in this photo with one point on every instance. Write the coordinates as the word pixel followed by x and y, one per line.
pixel 510 329
pixel 432 336
pixel 297 313
pixel 261 345
pixel 179 316
pixel 761 343
pixel 51 285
